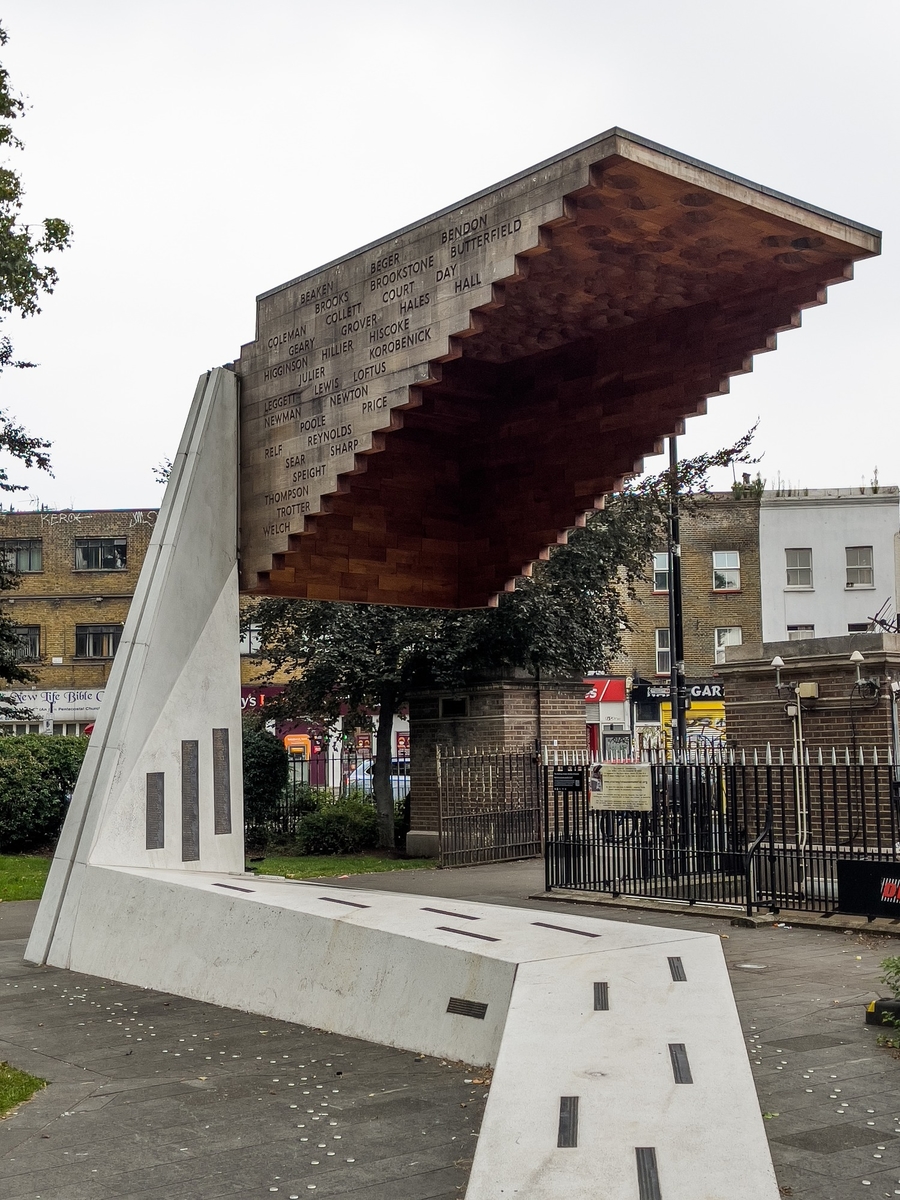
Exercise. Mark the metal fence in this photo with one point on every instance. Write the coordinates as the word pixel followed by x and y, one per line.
pixel 755 830
pixel 329 777
pixel 490 806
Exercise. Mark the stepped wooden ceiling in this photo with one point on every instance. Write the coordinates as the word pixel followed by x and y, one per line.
pixel 588 334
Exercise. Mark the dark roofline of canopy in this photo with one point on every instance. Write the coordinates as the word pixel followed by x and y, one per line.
pixel 548 162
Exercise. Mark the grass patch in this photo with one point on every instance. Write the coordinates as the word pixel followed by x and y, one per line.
pixel 319 865
pixel 16 1086
pixel 22 876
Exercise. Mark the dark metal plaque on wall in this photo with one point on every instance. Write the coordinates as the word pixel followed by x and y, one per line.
pixel 221 781
pixel 190 801
pixel 156 810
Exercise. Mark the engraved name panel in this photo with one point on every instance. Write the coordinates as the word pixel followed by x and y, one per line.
pixel 190 801
pixel 156 810
pixel 221 781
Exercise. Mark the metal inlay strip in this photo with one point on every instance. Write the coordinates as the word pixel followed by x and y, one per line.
pixel 647 1173
pixel 601 997
pixel 565 929
pixel 568 1122
pixel 467 1008
pixel 676 966
pixel 349 903
pixel 156 810
pixel 221 781
pixel 482 937
pixel 681 1068
pixel 190 801
pixel 233 887
pixel 445 912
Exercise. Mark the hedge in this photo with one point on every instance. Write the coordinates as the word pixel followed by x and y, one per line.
pixel 37 776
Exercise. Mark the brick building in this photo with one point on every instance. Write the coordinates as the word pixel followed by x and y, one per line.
pixel 836 710
pixel 512 713
pixel 721 603
pixel 78 574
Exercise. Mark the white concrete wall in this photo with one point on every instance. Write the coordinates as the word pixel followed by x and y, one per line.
pixel 175 678
pixel 827 522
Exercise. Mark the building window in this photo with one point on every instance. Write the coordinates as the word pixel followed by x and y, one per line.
pixel 663 657
pixel 860 627
pixel 798 563
pixel 799 633
pixel 23 555
pixel 100 554
pixel 726 571
pixel 97 641
pixel 860 572
pixel 250 640
pixel 661 571
pixel 727 635
pixel 29 647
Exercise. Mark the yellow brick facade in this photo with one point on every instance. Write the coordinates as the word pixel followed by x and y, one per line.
pixel 721 523
pixel 60 598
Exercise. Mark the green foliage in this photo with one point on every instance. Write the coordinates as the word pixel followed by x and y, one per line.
pixel 22 876
pixel 16 1087
pixel 265 773
pixel 342 827
pixel 24 279
pixel 37 775
pixel 890 975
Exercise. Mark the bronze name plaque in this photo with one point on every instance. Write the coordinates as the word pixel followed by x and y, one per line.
pixel 190 801
pixel 156 810
pixel 221 781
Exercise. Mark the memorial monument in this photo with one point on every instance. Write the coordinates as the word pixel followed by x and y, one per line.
pixel 416 423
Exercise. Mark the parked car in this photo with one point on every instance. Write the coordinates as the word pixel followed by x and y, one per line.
pixel 361 778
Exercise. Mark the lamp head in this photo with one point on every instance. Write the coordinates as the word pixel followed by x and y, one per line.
pixel 857 659
pixel 777 663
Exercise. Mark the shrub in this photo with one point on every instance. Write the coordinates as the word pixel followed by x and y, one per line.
pixel 344 827
pixel 265 774
pixel 37 776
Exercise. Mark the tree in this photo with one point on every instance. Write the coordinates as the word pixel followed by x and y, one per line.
pixel 566 619
pixel 24 279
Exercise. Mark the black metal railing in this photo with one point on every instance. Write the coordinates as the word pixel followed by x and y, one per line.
pixel 755 830
pixel 490 806
pixel 328 778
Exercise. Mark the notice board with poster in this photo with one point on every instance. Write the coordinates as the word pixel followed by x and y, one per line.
pixel 624 787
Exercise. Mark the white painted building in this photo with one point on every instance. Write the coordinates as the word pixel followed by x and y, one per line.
pixel 829 560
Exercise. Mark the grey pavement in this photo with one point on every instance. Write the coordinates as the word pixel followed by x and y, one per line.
pixel 123 1120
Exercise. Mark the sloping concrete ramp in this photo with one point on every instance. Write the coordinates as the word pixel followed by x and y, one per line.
pixel 620 1068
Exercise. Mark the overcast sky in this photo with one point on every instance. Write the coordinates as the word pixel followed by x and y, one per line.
pixel 207 150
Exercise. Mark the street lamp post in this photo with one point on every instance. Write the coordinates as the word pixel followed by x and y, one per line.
pixel 676 620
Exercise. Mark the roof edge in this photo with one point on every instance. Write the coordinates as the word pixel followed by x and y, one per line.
pixel 615 132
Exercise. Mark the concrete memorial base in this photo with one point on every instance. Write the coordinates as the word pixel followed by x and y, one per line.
pixel 620 1068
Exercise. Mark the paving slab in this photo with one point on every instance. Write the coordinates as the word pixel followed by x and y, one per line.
pixel 217 1119
pixel 181 1099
